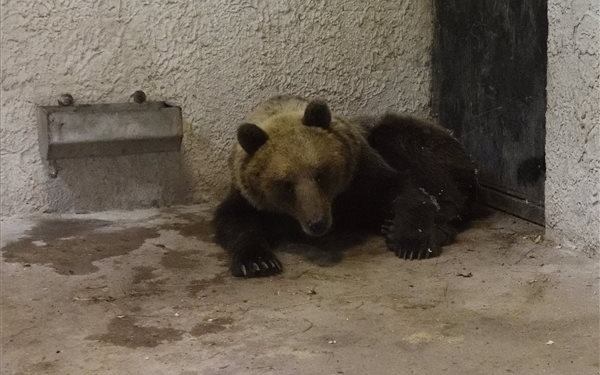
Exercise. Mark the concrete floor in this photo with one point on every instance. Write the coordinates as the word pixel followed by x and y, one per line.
pixel 147 292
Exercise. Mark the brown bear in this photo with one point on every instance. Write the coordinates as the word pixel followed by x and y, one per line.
pixel 298 169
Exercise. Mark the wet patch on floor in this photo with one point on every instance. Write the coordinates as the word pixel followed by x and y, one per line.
pixel 150 288
pixel 193 226
pixel 125 332
pixel 143 273
pixel 221 256
pixel 198 286
pixel 211 326
pixel 52 229
pixel 181 259
pixel 71 246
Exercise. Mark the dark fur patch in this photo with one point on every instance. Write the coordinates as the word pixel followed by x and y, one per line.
pixel 414 178
pixel 317 114
pixel 251 137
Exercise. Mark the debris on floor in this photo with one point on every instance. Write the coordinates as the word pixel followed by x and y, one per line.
pixel 461 274
pixel 149 292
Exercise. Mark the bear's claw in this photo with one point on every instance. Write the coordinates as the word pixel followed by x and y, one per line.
pixel 256 264
pixel 410 250
pixel 419 245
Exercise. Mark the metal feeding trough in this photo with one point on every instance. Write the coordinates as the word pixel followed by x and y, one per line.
pixel 78 131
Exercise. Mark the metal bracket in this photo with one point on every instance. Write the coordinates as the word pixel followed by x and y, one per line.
pixel 100 130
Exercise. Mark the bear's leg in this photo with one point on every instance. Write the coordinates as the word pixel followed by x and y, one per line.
pixel 421 223
pixel 247 234
pixel 437 179
pixel 413 232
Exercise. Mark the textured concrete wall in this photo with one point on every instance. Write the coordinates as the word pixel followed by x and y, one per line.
pixel 214 58
pixel 572 124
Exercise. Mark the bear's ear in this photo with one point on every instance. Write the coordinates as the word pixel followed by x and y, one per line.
pixel 317 114
pixel 251 137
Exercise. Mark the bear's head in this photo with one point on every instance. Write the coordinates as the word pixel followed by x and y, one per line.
pixel 296 163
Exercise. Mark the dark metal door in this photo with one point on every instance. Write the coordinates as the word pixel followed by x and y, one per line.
pixel 489 87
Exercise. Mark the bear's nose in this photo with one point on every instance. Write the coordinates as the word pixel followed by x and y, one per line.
pixel 318 227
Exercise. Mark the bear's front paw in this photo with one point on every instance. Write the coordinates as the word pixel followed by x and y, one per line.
pixel 255 264
pixel 417 245
pixel 411 248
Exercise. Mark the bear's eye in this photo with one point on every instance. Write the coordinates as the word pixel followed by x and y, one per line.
pixel 285 186
pixel 321 176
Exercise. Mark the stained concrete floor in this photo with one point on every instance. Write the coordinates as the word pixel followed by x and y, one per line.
pixel 147 292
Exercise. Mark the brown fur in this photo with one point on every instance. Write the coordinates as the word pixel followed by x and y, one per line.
pixel 297 167
pixel 315 163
